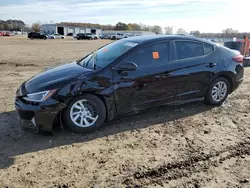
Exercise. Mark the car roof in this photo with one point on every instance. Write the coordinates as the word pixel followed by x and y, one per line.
pixel 158 38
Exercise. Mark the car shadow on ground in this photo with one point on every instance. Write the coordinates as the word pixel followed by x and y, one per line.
pixel 14 141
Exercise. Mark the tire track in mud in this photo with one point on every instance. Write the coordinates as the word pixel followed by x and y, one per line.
pixel 186 168
pixel 19 64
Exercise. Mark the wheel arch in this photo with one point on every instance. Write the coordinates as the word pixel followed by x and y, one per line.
pixel 227 77
pixel 107 101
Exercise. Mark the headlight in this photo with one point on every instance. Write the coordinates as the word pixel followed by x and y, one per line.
pixel 40 96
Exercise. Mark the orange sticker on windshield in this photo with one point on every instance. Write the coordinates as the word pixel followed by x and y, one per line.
pixel 156 55
pixel 105 49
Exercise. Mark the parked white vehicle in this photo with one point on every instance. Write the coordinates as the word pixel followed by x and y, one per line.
pixel 56 36
pixel 93 36
pixel 118 36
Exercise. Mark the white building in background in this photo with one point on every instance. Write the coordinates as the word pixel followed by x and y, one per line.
pixel 129 33
pixel 66 29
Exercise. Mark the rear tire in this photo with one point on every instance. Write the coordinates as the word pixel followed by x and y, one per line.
pixel 218 91
pixel 84 114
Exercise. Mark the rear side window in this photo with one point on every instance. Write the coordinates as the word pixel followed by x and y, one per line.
pixel 188 49
pixel 154 54
pixel 208 49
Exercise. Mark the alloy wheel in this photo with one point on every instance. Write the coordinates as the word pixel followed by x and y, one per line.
pixel 83 113
pixel 219 91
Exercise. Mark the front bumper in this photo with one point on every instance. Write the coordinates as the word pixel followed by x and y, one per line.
pixel 37 117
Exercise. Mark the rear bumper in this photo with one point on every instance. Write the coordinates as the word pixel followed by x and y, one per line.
pixel 237 84
pixel 37 118
pixel 238 79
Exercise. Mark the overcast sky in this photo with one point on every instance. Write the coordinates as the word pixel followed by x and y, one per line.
pixel 202 15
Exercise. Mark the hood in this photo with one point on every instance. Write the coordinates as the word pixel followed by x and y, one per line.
pixel 55 77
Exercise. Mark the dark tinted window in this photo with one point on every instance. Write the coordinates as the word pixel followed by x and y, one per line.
pixel 154 54
pixel 32 34
pixel 208 49
pixel 187 49
pixel 233 45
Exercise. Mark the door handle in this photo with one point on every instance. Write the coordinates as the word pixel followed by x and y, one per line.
pixel 211 65
pixel 166 75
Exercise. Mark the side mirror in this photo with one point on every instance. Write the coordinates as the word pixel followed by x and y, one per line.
pixel 125 66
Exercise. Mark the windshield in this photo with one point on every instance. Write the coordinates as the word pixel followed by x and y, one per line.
pixel 105 55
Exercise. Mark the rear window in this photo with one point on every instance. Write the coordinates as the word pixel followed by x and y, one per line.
pixel 188 49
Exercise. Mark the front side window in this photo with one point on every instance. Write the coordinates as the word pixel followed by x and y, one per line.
pixel 188 49
pixel 154 54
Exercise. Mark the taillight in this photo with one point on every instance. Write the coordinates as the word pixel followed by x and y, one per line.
pixel 238 58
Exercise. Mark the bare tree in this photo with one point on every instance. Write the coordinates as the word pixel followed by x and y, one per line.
pixel 168 30
pixel 134 26
pixel 36 27
pixel 229 31
pixel 144 27
pixel 156 29
pixel 195 33
pixel 181 31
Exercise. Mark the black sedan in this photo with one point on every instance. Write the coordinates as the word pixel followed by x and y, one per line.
pixel 34 35
pixel 127 76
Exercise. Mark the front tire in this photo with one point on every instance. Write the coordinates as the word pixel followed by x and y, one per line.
pixel 84 114
pixel 218 91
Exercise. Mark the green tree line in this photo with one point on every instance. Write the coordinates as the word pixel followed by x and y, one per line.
pixel 12 25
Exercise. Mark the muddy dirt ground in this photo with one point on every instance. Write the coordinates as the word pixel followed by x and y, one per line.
pixel 187 146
